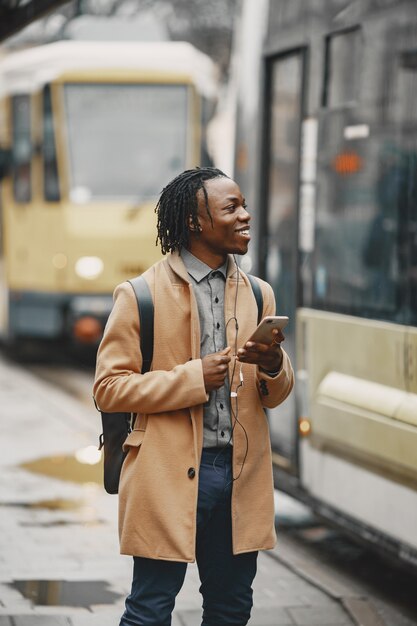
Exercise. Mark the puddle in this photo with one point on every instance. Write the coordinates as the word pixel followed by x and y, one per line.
pixel 75 468
pixel 56 523
pixel 56 504
pixel 86 514
pixel 51 505
pixel 83 593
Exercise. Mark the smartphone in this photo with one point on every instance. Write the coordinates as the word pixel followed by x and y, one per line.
pixel 263 332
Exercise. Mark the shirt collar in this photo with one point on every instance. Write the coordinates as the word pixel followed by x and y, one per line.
pixel 199 270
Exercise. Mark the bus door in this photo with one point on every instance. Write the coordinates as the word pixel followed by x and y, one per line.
pixel 278 257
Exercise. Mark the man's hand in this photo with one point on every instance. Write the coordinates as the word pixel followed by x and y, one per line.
pixel 215 369
pixel 268 357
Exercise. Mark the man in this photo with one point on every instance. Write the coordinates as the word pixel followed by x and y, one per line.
pixel 197 480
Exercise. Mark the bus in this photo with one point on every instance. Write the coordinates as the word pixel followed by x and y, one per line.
pixel 326 153
pixel 90 133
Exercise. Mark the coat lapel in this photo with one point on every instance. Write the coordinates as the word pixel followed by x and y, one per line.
pixel 178 269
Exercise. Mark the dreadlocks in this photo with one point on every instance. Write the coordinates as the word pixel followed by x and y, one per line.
pixel 178 203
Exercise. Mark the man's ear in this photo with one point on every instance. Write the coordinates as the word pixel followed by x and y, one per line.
pixel 192 226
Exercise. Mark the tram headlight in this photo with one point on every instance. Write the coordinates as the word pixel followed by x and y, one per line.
pixel 89 267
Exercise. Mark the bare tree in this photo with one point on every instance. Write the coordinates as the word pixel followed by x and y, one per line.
pixel 207 24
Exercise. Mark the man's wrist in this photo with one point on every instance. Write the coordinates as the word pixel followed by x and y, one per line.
pixel 269 373
pixel 273 371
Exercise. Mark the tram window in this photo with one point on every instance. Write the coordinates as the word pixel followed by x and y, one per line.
pixel 135 139
pixel 365 256
pixel 359 259
pixel 343 53
pixel 21 149
pixel 50 168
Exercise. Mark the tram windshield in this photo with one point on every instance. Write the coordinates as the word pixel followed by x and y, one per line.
pixel 124 140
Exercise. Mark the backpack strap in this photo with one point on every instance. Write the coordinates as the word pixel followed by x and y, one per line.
pixel 257 292
pixel 146 315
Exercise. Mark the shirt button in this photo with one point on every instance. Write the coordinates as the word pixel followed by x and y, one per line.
pixel 222 433
pixel 216 299
pixel 191 472
pixel 221 406
pixel 218 325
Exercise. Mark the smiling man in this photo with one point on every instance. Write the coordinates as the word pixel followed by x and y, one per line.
pixel 197 480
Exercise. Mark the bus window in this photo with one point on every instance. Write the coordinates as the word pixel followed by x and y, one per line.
pixel 343 53
pixel 21 149
pixel 125 140
pixel 50 168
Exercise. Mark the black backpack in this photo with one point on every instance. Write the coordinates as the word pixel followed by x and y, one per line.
pixel 117 426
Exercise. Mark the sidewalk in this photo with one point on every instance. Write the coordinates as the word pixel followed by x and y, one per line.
pixel 59 556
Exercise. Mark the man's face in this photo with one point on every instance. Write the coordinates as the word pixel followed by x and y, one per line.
pixel 227 232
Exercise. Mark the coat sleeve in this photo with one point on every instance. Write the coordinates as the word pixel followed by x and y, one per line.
pixel 120 387
pixel 274 389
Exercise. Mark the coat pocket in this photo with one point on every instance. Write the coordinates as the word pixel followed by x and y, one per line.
pixel 133 440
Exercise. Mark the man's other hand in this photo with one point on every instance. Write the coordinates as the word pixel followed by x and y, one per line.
pixel 215 368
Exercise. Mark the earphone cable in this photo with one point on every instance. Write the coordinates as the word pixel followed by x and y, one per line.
pixel 235 413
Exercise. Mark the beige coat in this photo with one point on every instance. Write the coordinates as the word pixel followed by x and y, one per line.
pixel 157 496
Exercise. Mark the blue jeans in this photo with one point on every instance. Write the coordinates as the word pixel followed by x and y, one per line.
pixel 226 580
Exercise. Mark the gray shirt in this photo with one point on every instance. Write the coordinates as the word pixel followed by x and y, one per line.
pixel 208 286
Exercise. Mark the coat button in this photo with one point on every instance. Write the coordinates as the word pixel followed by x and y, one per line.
pixel 191 472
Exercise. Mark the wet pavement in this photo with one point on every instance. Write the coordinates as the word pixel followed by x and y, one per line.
pixel 59 557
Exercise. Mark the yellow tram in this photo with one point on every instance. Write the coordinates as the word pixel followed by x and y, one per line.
pixel 89 134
